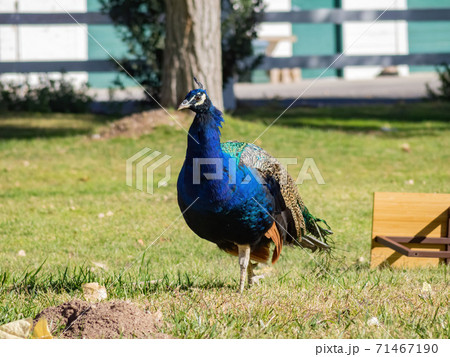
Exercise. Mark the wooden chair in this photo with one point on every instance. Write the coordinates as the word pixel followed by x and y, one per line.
pixel 410 229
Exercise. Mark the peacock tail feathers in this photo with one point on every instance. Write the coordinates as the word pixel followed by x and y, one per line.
pixel 310 232
pixel 315 233
pixel 233 148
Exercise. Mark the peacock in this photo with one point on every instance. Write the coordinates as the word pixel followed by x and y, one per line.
pixel 239 197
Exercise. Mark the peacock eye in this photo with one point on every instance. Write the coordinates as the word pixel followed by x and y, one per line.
pixel 197 97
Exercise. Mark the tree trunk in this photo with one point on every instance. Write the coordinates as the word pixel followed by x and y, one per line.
pixel 192 48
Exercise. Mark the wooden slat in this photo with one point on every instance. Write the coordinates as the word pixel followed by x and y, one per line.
pixel 339 16
pixel 266 64
pixel 336 16
pixel 408 214
pixel 58 66
pixel 404 250
pixel 341 61
pixel 21 18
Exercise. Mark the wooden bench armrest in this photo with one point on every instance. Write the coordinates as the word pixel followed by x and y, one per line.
pixel 395 244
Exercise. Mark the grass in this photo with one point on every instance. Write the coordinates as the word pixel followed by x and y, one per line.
pixel 55 181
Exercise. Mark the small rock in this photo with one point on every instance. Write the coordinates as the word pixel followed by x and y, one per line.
pixel 21 253
pixel 95 136
pixel 373 321
pixel 405 147
pixel 26 163
pixel 426 288
pixel 389 71
pixel 94 292
pixel 141 242
pixel 101 215
pixel 109 213
pixel 361 260
pixel 100 265
pixel 409 182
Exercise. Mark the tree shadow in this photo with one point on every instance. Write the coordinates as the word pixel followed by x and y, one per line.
pixel 35 125
pixel 19 132
pixel 394 120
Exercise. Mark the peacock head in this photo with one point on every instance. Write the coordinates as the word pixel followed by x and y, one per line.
pixel 196 100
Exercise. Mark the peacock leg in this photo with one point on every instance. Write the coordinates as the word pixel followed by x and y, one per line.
pixel 252 278
pixel 244 258
pixel 251 273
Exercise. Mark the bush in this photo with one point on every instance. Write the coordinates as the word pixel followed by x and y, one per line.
pixel 443 92
pixel 48 96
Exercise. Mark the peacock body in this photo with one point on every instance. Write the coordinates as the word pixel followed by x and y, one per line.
pixel 238 196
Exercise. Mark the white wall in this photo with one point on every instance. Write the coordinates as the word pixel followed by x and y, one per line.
pixel 44 6
pixel 277 5
pixel 283 48
pixel 374 4
pixel 44 42
pixel 76 78
pixel 381 38
pixel 55 42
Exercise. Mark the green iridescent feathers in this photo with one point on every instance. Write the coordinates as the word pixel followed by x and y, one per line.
pixel 310 231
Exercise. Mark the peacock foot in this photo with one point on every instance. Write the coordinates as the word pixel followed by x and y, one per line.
pixel 255 279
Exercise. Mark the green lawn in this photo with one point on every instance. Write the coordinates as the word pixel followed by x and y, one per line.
pixel 55 181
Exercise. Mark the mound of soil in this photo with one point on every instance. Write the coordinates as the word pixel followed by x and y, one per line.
pixel 112 319
pixel 143 123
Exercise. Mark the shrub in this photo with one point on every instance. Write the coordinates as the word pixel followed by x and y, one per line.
pixel 48 96
pixel 443 92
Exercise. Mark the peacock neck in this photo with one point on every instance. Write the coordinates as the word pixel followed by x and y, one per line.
pixel 204 135
pixel 204 143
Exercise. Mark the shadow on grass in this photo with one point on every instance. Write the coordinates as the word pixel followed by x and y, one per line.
pixel 71 280
pixel 398 120
pixel 33 125
pixel 17 132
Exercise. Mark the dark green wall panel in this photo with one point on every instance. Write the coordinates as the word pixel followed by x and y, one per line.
pixel 314 39
pixel 316 72
pixel 312 4
pixel 93 5
pixel 108 37
pixel 429 36
pixel 106 79
pixel 417 4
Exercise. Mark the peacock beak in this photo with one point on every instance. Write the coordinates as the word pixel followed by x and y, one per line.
pixel 184 105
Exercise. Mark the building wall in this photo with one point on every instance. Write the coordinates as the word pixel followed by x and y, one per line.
pixel 71 41
pixel 266 30
pixel 60 42
pixel 428 36
pixel 315 39
pixel 108 37
pixel 379 38
pixel 43 42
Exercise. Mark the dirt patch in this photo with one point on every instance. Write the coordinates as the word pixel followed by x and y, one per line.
pixel 112 319
pixel 138 124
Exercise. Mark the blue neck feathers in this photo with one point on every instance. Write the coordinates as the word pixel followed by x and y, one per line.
pixel 204 143
pixel 204 135
pixel 221 184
